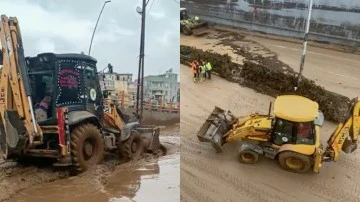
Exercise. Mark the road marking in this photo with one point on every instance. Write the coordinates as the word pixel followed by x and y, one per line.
pixel 349 77
pixel 330 56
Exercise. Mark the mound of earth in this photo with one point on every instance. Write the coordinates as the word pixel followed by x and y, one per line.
pixel 270 76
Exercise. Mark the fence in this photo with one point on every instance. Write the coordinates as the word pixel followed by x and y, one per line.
pixel 125 100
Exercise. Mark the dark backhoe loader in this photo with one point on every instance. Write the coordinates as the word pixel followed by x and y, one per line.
pixel 192 26
pixel 80 124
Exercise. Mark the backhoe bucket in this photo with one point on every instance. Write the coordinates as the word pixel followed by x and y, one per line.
pixel 349 146
pixel 216 125
pixel 150 136
pixel 13 141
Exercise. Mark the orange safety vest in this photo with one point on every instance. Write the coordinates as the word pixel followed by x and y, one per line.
pixel 193 67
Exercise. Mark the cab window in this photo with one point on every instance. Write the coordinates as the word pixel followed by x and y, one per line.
pixel 287 132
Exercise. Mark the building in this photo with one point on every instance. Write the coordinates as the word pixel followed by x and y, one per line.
pixel 114 81
pixel 163 87
pixel 117 85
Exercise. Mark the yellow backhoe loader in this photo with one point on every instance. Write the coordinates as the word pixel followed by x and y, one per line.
pixel 291 135
pixel 79 126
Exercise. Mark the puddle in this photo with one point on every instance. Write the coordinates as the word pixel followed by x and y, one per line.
pixel 154 180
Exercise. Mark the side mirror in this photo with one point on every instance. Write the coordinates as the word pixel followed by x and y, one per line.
pixel 319 120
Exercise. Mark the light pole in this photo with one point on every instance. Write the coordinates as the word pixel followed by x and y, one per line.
pixel 97 24
pixel 305 45
pixel 140 83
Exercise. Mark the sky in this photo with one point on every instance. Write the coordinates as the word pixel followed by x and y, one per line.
pixel 66 26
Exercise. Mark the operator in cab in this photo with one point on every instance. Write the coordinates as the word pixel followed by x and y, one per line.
pixel 42 108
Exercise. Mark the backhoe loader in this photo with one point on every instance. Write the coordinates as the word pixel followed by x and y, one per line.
pixel 291 135
pixel 192 26
pixel 80 125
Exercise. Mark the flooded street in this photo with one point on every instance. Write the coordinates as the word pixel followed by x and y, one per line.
pixel 110 182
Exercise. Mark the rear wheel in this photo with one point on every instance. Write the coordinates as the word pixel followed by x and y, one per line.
pixel 294 162
pixel 87 147
pixel 133 147
pixel 248 157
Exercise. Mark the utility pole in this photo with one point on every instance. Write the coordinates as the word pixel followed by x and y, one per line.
pixel 96 25
pixel 140 83
pixel 305 45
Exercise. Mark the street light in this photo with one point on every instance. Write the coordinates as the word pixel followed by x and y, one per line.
pixel 304 45
pixel 97 24
pixel 140 83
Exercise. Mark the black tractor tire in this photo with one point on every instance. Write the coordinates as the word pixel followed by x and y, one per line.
pixel 87 147
pixel 248 157
pixel 186 30
pixel 294 162
pixel 132 148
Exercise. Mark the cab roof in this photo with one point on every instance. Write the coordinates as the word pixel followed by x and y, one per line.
pixel 182 9
pixel 295 108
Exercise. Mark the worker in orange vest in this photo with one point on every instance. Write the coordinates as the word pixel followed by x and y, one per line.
pixel 195 69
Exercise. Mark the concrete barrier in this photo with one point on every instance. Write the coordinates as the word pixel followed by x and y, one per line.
pixel 157 118
pixel 333 21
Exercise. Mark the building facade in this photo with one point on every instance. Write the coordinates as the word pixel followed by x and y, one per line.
pixel 163 87
pixel 117 85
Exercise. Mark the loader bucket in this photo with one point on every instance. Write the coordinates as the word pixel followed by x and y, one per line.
pixel 150 136
pixel 216 125
pixel 200 29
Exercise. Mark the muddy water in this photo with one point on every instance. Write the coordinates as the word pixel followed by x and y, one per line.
pixel 149 179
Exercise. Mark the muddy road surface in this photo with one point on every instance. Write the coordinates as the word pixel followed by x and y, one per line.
pixel 335 70
pixel 111 181
pixel 210 176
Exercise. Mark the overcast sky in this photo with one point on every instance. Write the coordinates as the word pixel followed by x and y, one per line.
pixel 67 25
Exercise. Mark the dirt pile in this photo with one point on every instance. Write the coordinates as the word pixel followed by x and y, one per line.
pixel 270 76
pixel 222 64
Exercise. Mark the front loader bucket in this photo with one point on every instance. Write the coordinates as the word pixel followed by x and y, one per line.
pixel 150 136
pixel 200 29
pixel 216 125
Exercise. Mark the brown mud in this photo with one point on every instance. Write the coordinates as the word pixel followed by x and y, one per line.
pixel 113 180
pixel 262 71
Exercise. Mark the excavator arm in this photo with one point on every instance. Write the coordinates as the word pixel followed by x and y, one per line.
pixel 345 136
pixel 17 114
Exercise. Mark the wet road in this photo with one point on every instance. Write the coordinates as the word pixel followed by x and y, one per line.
pixel 337 71
pixel 135 181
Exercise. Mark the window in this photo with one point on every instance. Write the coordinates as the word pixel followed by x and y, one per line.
pixel 305 133
pixel 286 132
pixel 283 132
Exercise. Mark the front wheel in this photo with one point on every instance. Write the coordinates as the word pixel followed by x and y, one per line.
pixel 294 162
pixel 133 147
pixel 186 30
pixel 248 157
pixel 87 147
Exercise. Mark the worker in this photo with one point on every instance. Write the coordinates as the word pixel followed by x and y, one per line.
pixel 304 130
pixel 193 69
pixel 208 69
pixel 203 71
pixel 197 68
pixel 41 109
